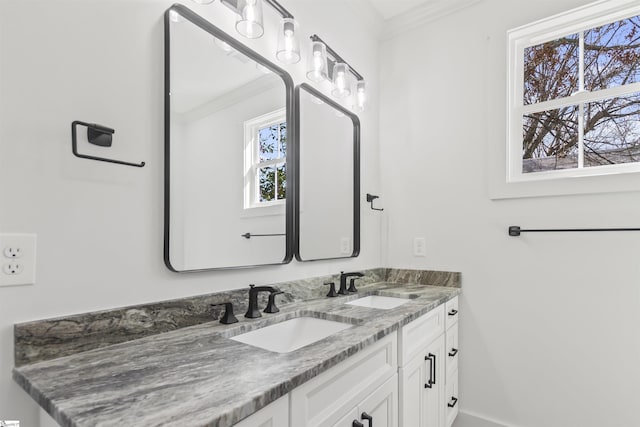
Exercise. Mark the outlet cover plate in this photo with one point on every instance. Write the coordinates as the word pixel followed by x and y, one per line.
pixel 25 244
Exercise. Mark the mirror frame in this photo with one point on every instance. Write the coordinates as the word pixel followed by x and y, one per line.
pixel 356 171
pixel 291 155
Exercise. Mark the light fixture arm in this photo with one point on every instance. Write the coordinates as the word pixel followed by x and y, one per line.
pixel 335 57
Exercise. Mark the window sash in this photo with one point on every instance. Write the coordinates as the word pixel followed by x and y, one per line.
pixel 571 22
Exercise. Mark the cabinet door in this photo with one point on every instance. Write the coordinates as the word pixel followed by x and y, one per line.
pixel 347 420
pixel 434 396
pixel 381 405
pixel 451 340
pixel 276 414
pixel 413 378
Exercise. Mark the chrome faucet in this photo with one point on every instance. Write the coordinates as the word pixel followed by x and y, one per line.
pixel 343 282
pixel 253 311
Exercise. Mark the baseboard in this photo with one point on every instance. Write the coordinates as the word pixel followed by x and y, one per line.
pixel 465 419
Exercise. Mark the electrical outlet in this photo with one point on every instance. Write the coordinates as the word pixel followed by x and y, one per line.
pixel 11 268
pixel 419 246
pixel 18 259
pixel 12 252
pixel 345 246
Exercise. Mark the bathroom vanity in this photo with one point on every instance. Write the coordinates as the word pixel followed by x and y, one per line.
pixel 397 365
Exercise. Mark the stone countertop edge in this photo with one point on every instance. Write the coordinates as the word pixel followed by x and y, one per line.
pixel 367 331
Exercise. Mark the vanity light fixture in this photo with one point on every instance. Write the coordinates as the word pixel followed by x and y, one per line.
pixel 249 24
pixel 288 45
pixel 341 85
pixel 337 70
pixel 317 62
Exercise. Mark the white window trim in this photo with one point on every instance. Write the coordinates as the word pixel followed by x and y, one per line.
pixel 250 161
pixel 571 22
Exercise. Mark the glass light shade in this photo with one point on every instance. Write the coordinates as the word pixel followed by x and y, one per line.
pixel 361 96
pixel 249 23
pixel 317 70
pixel 288 45
pixel 341 85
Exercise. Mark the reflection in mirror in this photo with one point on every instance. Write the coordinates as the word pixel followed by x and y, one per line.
pixel 328 219
pixel 226 149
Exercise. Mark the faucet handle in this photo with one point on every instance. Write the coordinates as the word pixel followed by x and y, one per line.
pixel 352 285
pixel 228 317
pixel 332 289
pixel 271 305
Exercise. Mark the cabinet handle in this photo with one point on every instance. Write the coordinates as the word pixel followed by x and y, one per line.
pixel 453 352
pixel 356 423
pixel 432 370
pixel 433 366
pixel 429 382
pixel 367 417
pixel 453 312
pixel 454 400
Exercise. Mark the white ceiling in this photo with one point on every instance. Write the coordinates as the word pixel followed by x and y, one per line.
pixel 390 18
pixel 391 8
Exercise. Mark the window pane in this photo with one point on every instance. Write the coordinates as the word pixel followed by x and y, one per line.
pixel 551 70
pixel 612 131
pixel 283 139
pixel 267 184
pixel 282 181
pixel 550 140
pixel 612 54
pixel 268 148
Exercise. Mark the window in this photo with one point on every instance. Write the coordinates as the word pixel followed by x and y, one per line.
pixel 574 94
pixel 265 160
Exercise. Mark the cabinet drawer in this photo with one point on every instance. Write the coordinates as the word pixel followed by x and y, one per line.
pixel 452 397
pixel 275 414
pixel 452 349
pixel 324 400
pixel 416 335
pixel 451 307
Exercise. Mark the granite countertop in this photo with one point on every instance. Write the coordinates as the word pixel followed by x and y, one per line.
pixel 197 376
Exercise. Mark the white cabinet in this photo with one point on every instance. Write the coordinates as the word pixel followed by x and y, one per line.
pixel 452 352
pixel 429 371
pixel 422 387
pixel 380 407
pixel 329 399
pixel 276 414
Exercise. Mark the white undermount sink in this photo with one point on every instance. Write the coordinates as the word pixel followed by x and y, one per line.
pixel 291 334
pixel 376 301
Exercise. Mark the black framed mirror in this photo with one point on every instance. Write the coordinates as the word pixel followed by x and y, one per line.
pixel 327 220
pixel 228 150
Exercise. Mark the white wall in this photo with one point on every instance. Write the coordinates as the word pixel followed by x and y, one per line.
pixel 550 323
pixel 100 225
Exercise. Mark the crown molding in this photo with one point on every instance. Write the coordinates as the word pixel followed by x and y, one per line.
pixel 421 15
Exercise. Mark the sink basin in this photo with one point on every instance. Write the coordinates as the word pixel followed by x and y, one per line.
pixel 376 301
pixel 291 334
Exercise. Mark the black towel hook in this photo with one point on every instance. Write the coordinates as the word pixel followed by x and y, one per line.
pixel 96 135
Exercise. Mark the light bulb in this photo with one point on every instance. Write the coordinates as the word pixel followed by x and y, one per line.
pixel 341 87
pixel 317 70
pixel 288 46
